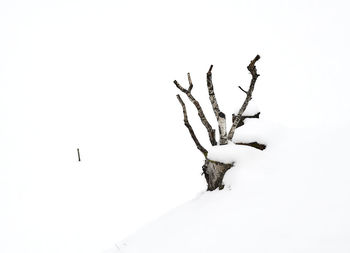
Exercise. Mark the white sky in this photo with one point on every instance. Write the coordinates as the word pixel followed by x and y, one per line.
pixel 98 75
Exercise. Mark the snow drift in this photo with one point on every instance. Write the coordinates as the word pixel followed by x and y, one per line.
pixel 292 197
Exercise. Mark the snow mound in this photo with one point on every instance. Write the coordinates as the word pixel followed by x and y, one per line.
pixel 230 153
pixel 292 197
pixel 253 130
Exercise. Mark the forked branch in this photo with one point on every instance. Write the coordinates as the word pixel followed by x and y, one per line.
pixel 220 116
pixel 210 130
pixel 252 69
pixel 190 129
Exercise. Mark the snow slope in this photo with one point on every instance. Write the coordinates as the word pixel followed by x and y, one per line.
pixel 293 197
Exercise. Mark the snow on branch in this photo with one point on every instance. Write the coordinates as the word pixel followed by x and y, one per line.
pixel 252 69
pixel 210 130
pixel 190 129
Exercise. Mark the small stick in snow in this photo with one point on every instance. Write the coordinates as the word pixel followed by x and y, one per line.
pixel 78 155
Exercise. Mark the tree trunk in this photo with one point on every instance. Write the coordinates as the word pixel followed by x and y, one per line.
pixel 214 173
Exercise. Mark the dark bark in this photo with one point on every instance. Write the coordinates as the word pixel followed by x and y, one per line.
pixel 214 173
pixel 254 144
pixel 78 155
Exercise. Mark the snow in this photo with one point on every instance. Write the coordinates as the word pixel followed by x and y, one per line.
pixel 229 153
pixel 97 75
pixel 292 197
pixel 253 130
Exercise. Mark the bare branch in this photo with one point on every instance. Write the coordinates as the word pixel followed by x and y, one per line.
pixel 190 82
pixel 252 69
pixel 241 122
pixel 242 89
pixel 190 129
pixel 253 144
pixel 220 117
pixel 212 97
pixel 210 130
pixel 180 87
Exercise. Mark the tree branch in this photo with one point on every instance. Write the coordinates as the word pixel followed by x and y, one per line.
pixel 242 89
pixel 252 69
pixel 222 128
pixel 253 144
pixel 212 97
pixel 220 116
pixel 241 122
pixel 190 82
pixel 190 129
pixel 210 130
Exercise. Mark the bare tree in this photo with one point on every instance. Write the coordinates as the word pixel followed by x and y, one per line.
pixel 214 171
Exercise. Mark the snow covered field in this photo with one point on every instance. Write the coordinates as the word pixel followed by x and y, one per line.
pixel 97 75
pixel 293 197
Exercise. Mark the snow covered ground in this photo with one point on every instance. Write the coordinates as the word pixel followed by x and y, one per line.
pixel 292 197
pixel 97 75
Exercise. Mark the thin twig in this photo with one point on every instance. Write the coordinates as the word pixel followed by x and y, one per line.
pixel 190 129
pixel 242 89
pixel 190 82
